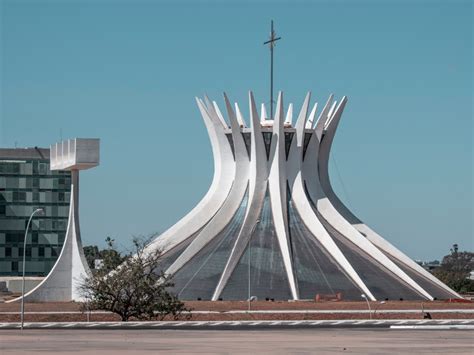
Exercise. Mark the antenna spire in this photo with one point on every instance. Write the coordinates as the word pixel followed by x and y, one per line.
pixel 271 43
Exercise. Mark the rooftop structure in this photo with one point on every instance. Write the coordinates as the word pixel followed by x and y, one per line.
pixel 271 225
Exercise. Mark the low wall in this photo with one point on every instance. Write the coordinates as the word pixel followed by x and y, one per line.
pixel 13 284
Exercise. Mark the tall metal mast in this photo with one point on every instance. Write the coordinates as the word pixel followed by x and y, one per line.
pixel 271 43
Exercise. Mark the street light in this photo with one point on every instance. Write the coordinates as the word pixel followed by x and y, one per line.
pixel 37 211
pixel 378 305
pixel 250 245
pixel 368 304
pixel 426 315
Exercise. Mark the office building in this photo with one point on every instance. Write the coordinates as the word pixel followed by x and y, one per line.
pixel 26 183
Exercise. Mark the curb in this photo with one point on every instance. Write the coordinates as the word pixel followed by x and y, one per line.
pixel 214 325
pixel 302 311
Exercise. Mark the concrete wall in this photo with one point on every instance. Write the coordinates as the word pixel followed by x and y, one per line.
pixel 13 284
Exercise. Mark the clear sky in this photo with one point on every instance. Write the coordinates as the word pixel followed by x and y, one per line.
pixel 128 71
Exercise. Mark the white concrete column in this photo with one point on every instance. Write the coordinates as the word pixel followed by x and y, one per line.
pixel 62 284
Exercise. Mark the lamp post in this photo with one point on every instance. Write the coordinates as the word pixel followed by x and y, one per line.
pixel 426 315
pixel 377 307
pixel 37 211
pixel 250 245
pixel 368 304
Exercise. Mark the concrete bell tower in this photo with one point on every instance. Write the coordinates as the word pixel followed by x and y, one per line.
pixel 63 281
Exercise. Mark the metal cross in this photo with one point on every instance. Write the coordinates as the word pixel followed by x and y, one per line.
pixel 271 42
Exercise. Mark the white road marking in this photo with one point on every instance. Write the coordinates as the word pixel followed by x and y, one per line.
pixel 396 324
pixel 432 327
pixel 197 324
pixel 289 311
pixel 46 325
pixel 70 325
pixel 362 321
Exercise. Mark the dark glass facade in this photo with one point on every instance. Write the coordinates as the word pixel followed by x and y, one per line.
pixel 315 270
pixel 428 285
pixel 26 183
pixel 260 270
pixel 378 279
pixel 261 263
pixel 267 140
pixel 199 277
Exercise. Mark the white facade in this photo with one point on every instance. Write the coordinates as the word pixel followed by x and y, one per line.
pixel 271 225
pixel 62 284
pixel 75 154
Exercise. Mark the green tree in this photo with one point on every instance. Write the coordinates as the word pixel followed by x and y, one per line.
pixel 91 252
pixel 455 269
pixel 132 285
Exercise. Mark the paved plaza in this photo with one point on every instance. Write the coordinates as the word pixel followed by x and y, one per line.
pixel 321 341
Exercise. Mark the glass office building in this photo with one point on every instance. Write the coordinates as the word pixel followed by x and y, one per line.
pixel 26 183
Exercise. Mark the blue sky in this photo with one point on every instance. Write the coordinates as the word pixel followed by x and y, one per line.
pixel 128 71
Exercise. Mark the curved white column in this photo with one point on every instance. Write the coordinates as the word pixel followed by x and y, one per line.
pixel 309 122
pixel 62 284
pixel 217 111
pixel 338 215
pixel 263 113
pixel 240 117
pixel 233 201
pixel 277 186
pixel 257 187
pixel 332 216
pixel 319 124
pixel 289 116
pixel 303 206
pixel 390 249
pixel 224 171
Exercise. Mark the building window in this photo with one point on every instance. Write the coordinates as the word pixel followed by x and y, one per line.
pixel 35 167
pixel 267 139
pixel 42 169
pixel 231 143
pixel 19 196
pixel 288 140
pixel 248 142
pixel 25 186
pixel 307 138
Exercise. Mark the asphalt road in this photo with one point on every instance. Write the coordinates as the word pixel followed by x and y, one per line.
pixel 320 341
